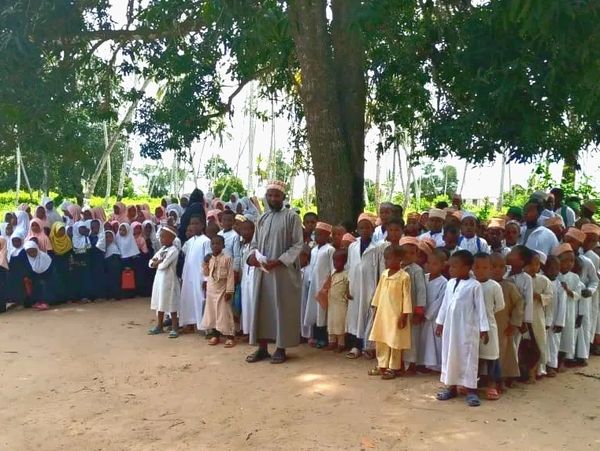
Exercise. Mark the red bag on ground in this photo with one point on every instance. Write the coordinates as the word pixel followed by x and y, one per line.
pixel 128 279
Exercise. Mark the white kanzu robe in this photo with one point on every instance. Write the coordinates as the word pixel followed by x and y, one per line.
pixel 595 307
pixel 494 302
pixel 430 346
pixel 463 316
pixel 544 287
pixel 568 336
pixel 321 266
pixel 589 278
pixel 247 287
pixel 418 286
pixel 192 294
pixel 165 290
pixel 557 319
pixel 363 275
pixel 438 237
pixel 541 239
pixel 474 244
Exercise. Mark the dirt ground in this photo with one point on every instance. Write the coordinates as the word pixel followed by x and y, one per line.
pixel 87 377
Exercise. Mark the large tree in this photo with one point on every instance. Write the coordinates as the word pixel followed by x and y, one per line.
pixel 462 77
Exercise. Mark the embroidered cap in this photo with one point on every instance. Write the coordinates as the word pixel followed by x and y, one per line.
pixel 561 249
pixel 437 213
pixel 591 229
pixel 323 226
pixel 277 185
pixel 576 234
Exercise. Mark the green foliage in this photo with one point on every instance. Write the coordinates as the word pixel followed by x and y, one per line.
pixel 279 168
pixel 433 184
pixel 224 187
pixel 216 168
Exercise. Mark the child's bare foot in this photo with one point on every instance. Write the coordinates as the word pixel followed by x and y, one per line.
pixel 551 372
pixel 376 371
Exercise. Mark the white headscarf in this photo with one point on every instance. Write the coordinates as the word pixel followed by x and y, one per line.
pixel 233 204
pixel 127 245
pixel 250 210
pixel 101 243
pixel 22 222
pixel 112 248
pixel 41 262
pixel 81 243
pixel 154 237
pixel 177 209
pixel 12 250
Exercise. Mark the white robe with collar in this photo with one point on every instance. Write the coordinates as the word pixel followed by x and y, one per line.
pixel 541 239
pixel 589 278
pixel 569 333
pixel 321 267
pixel 192 294
pixel 463 316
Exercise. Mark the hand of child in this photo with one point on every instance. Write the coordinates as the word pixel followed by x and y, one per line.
pixel 402 321
pixel 523 328
pixel 438 330
pixel 557 329
pixel 228 296
pixel 417 319
pixel 154 263
pixel 586 293
pixel 207 258
pixel 272 264
pixel 510 330
pixel 484 337
pixel 537 297
pixel 578 321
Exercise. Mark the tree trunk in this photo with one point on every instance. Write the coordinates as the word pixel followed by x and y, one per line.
pixel 91 185
pixel 18 187
pixel 45 184
pixel 108 167
pixel 122 174
pixel 569 171
pixel 338 166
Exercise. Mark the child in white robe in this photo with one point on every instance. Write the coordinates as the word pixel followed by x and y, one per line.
pixel 165 289
pixel 572 286
pixel 315 315
pixel 519 257
pixel 246 230
pixel 462 323
pixel 364 267
pixel 469 240
pixel 435 223
pixel 589 278
pixel 592 235
pixel 192 291
pixel 418 298
pixel 430 346
pixel 489 353
pixel 542 297
pixel 555 314
pixel 305 268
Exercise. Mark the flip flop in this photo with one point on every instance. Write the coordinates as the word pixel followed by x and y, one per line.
pixel 353 354
pixel 229 343
pixel 376 371
pixel 213 341
pixel 473 400
pixel 155 331
pixel 446 394
pixel 388 375
pixel 278 357
pixel 492 394
pixel 173 334
pixel 258 355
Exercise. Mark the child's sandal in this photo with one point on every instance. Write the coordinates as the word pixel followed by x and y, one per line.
pixel 173 333
pixel 376 371
pixel 388 375
pixel 155 331
pixel 446 394
pixel 213 341
pixel 492 394
pixel 229 343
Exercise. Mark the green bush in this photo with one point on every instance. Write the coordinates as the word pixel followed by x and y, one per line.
pixel 225 186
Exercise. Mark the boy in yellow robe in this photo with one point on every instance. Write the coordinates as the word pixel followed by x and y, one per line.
pixel 391 328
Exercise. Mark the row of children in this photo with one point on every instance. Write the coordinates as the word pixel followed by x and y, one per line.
pixel 494 312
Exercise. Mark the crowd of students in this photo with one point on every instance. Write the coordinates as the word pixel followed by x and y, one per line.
pixel 485 303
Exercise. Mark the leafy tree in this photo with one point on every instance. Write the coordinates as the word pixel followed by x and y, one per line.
pixel 216 168
pixel 224 187
pixel 433 184
pixel 278 169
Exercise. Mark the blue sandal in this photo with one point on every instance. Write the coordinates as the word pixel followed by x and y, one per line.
pixel 173 334
pixel 473 400
pixel 155 331
pixel 446 394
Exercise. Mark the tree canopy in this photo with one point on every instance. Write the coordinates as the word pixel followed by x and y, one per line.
pixel 448 77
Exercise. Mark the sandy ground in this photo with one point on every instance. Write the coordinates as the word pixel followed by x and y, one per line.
pixel 87 377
